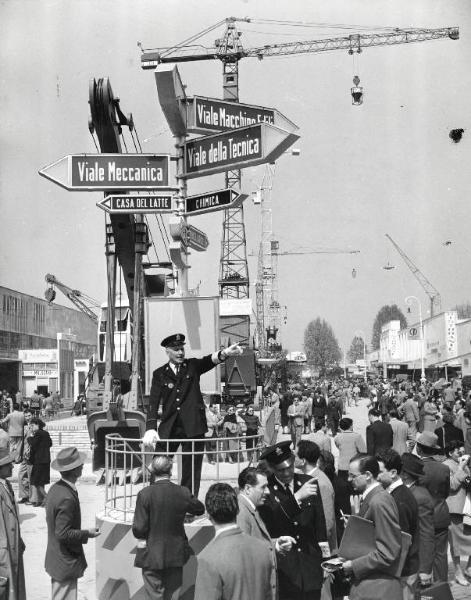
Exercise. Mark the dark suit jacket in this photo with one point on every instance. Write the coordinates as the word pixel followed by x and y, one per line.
pixel 65 558
pixel 306 523
pixel 180 396
pixel 374 572
pixel 319 406
pixel 408 520
pixel 158 519
pixel 426 528
pixel 379 436
pixel 40 445
pixel 234 566
pixel 436 479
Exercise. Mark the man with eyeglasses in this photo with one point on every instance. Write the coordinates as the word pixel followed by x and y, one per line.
pixel 374 573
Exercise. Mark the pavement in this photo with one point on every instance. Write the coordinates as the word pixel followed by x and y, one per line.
pixel 92 498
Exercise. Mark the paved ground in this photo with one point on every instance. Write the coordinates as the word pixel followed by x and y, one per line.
pixel 34 532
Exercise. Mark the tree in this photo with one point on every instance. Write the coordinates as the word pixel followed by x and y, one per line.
pixel 356 349
pixel 321 346
pixel 386 314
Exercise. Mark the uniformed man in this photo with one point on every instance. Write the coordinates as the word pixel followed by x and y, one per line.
pixel 176 387
pixel 294 508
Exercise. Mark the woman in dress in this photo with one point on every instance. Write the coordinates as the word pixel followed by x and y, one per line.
pixel 459 505
pixel 40 458
pixel 430 415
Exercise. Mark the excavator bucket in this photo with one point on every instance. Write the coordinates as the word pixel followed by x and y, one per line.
pixel 132 426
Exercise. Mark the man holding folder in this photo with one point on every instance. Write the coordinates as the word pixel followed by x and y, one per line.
pixel 374 573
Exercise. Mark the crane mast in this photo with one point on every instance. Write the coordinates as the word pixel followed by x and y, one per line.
pixel 429 289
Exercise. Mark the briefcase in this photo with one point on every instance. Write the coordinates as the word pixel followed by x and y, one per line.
pixel 359 539
pixel 438 591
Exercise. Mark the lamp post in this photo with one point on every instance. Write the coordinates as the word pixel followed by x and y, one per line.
pixel 360 333
pixel 408 301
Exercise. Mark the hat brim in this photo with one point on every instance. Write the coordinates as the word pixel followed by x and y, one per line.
pixel 427 447
pixel 73 465
pixel 7 460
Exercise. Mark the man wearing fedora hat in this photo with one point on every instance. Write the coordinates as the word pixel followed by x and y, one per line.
pixel 12 577
pixel 436 479
pixel 65 560
pixel 176 388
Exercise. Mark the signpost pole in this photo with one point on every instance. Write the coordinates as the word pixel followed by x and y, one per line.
pixel 180 211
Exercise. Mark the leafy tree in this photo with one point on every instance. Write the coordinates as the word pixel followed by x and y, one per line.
pixel 321 346
pixel 386 314
pixel 463 310
pixel 356 349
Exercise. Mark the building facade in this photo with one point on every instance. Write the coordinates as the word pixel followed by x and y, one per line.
pixel 39 343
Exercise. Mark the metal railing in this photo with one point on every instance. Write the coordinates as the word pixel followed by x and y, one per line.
pixel 127 465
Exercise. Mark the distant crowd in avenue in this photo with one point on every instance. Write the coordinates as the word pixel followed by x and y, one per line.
pixel 284 531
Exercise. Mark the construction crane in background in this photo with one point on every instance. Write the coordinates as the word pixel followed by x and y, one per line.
pixel 84 303
pixel 268 309
pixel 234 275
pixel 429 289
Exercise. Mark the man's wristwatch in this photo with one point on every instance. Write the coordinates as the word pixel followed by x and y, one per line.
pixel 221 356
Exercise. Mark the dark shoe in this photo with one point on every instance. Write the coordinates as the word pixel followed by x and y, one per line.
pixel 36 504
pixel 23 501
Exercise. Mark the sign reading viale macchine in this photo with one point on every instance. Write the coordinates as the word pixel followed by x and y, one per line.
pixel 230 148
pixel 119 171
pixel 220 116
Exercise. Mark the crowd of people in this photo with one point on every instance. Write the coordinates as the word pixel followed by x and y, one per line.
pixel 293 507
pixel 46 405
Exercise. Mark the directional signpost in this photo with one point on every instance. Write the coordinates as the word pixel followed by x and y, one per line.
pixel 235 149
pixel 206 115
pixel 143 204
pixel 196 238
pixel 93 172
pixel 212 201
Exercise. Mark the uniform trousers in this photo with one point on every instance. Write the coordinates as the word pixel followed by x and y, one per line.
pixel 163 584
pixel 64 590
pixel 24 486
pixel 191 463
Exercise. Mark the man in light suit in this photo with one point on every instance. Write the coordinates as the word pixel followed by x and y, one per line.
pixel 234 565
pixel 253 490
pixel 159 525
pixel 374 574
pixel 410 410
pixel 65 560
pixel 400 432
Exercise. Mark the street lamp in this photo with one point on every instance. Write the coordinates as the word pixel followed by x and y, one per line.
pixel 408 301
pixel 360 333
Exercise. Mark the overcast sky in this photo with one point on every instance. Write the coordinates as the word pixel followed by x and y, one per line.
pixel 385 167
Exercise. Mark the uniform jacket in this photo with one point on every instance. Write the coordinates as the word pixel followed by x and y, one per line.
pixel 234 566
pixel 400 435
pixel 65 558
pixel 349 443
pixel 306 523
pixel 251 523
pixel 158 519
pixel 179 395
pixel 457 496
pixel 410 410
pixel 436 479
pixel 426 528
pixel 11 545
pixel 379 437
pixel 408 520
pixel 373 573
pixel 16 421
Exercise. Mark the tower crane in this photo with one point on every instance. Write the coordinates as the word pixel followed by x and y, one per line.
pixel 429 289
pixel 234 276
pixel 83 302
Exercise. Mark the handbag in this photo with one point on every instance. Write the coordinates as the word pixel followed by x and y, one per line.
pixel 438 591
